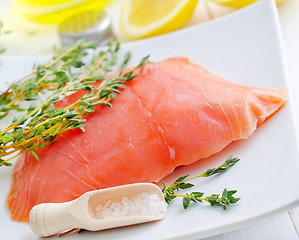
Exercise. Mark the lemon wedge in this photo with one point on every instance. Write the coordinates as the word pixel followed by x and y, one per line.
pixel 147 18
pixel 238 3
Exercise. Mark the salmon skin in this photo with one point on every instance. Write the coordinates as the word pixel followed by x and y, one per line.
pixel 173 113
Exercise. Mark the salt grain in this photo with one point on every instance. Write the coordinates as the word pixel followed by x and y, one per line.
pixel 140 204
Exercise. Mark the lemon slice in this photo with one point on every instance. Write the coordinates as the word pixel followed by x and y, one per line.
pixel 39 3
pixel 54 11
pixel 146 18
pixel 238 3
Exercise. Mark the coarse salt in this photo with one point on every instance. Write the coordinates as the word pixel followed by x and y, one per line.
pixel 140 204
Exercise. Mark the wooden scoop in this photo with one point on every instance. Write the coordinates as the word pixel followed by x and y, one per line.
pixel 48 219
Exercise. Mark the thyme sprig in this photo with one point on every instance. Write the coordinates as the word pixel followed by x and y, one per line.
pixel 225 200
pixel 42 123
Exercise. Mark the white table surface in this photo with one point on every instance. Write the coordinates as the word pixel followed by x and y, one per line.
pixel 283 226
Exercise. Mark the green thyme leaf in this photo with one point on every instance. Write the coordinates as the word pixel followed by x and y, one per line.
pixel 34 155
pixel 186 201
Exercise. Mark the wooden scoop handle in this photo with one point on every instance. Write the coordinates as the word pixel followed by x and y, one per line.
pixel 48 219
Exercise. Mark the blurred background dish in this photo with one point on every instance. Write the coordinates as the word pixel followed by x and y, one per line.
pixel 92 26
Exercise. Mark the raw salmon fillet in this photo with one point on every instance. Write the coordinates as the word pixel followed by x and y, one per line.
pixel 173 113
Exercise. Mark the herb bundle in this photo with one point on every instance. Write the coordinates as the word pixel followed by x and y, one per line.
pixel 223 200
pixel 68 72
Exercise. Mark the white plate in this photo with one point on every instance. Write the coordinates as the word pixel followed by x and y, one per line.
pixel 244 47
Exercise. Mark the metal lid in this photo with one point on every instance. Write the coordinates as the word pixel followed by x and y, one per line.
pixel 92 26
